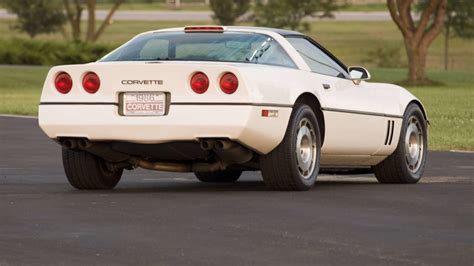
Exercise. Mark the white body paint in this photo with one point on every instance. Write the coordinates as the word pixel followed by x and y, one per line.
pixel 356 116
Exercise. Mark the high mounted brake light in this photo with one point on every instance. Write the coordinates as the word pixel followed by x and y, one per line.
pixel 203 29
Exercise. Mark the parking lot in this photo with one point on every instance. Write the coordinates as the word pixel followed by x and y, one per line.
pixel 172 219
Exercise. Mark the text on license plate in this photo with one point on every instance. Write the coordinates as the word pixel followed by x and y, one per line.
pixel 143 103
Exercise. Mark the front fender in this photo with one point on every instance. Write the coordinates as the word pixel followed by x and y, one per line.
pixel 396 99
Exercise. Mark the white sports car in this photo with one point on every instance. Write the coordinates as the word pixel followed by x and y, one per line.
pixel 217 101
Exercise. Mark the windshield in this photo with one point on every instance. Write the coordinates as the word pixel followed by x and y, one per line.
pixel 220 47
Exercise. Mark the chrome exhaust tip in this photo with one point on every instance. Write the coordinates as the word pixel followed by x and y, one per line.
pixel 207 145
pixel 84 144
pixel 69 143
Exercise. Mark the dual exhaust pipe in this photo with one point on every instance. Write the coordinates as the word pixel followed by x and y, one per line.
pixel 210 144
pixel 74 144
pixel 97 148
pixel 227 153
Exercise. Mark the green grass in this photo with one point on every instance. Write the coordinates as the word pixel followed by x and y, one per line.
pixel 449 107
pixel 352 41
pixel 20 89
pixel 115 34
pixel 364 8
pixel 202 7
pixel 157 7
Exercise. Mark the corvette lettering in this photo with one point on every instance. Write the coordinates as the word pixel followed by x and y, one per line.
pixel 144 107
pixel 142 82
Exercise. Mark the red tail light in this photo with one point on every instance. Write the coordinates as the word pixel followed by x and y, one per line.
pixel 229 83
pixel 199 83
pixel 63 82
pixel 91 82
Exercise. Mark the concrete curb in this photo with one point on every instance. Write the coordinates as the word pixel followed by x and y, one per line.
pixel 19 116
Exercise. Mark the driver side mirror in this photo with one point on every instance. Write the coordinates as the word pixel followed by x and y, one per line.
pixel 358 74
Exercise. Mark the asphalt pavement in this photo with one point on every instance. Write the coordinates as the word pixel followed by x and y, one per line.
pixel 172 219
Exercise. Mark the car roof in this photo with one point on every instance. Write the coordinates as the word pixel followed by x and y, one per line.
pixel 282 32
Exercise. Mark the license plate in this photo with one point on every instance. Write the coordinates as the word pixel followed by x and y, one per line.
pixel 143 103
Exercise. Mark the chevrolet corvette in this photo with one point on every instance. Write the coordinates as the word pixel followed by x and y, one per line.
pixel 217 101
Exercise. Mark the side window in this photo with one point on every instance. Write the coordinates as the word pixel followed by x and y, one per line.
pixel 317 60
pixel 276 56
pixel 268 52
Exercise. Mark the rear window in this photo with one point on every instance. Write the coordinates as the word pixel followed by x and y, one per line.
pixel 219 47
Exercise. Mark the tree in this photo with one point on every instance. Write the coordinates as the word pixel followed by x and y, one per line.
pixel 459 22
pixel 226 12
pixel 418 36
pixel 74 10
pixel 290 13
pixel 36 16
pixel 459 18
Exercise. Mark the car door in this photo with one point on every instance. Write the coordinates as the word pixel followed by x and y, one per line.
pixel 354 120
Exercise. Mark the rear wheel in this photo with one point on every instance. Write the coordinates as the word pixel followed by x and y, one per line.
pixel 294 164
pixel 86 171
pixel 406 164
pixel 226 176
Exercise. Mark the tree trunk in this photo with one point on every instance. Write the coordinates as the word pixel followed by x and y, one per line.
pixel 416 63
pixel 90 20
pixel 74 18
pixel 418 36
pixel 446 48
pixel 76 32
pixel 107 21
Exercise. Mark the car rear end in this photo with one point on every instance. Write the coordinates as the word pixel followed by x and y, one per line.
pixel 180 85
pixel 154 103
pixel 179 101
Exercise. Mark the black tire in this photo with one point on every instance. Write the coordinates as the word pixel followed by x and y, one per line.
pixel 86 171
pixel 226 176
pixel 395 168
pixel 280 168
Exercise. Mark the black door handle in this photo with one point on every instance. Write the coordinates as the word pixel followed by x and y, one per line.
pixel 326 86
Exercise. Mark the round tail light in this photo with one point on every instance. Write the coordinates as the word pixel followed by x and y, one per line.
pixel 63 82
pixel 91 82
pixel 229 83
pixel 199 83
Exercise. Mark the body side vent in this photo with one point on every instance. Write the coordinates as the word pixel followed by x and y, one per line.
pixel 387 136
pixel 391 133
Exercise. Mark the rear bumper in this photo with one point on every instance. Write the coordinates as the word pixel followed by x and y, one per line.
pixel 241 123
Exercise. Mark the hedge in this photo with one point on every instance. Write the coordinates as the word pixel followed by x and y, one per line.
pixel 35 52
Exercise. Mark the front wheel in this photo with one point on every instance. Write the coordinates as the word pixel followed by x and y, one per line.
pixel 294 164
pixel 407 163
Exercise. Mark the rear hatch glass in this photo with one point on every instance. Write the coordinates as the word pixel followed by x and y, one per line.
pixel 238 47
